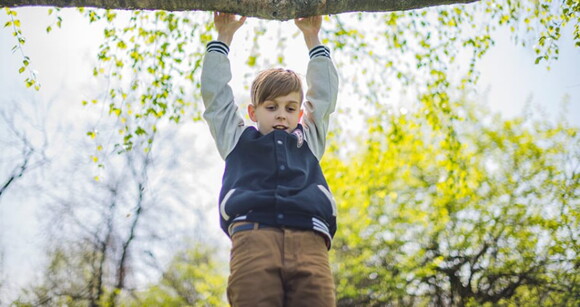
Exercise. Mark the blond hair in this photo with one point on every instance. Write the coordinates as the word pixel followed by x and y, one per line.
pixel 275 82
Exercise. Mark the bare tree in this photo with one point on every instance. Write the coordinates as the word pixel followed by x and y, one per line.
pixel 23 157
pixel 104 231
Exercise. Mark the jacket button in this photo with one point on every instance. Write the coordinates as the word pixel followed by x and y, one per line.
pixel 282 167
pixel 279 142
pixel 280 216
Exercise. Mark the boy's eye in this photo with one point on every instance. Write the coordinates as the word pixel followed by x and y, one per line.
pixel 270 107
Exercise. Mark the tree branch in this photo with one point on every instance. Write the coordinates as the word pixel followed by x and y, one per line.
pixel 18 171
pixel 122 265
pixel 273 9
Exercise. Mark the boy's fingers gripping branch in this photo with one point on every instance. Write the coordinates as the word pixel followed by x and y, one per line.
pixel 310 26
pixel 226 25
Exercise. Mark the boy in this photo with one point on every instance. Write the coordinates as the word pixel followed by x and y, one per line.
pixel 274 203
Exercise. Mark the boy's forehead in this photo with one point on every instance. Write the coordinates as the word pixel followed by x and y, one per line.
pixel 281 100
pixel 291 97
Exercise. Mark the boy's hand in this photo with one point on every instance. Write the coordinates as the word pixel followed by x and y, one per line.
pixel 226 24
pixel 310 26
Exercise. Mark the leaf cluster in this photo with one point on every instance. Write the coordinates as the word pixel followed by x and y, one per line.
pixel 487 217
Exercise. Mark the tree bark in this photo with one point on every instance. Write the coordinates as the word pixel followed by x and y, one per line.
pixel 265 9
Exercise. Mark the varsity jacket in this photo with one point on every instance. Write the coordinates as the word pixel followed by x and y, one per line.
pixel 272 179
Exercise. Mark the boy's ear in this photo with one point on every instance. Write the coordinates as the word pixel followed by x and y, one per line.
pixel 300 116
pixel 252 112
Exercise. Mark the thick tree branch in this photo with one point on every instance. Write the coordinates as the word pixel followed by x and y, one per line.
pixel 266 9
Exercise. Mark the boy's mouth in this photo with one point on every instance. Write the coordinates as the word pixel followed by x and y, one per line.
pixel 280 127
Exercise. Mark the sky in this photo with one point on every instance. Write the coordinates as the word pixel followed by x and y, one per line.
pixel 63 61
pixel 509 74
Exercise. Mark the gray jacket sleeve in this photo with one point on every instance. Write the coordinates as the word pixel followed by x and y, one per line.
pixel 322 81
pixel 221 112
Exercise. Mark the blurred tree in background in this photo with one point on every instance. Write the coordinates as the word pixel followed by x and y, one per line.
pixel 488 216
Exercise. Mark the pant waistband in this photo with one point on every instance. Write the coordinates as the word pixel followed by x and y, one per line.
pixel 244 226
pixel 249 226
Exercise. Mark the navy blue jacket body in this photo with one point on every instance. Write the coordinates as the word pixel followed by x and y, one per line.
pixel 272 180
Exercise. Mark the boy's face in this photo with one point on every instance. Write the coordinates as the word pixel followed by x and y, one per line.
pixel 281 113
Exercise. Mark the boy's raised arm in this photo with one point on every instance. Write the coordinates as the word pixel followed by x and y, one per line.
pixel 221 112
pixel 322 81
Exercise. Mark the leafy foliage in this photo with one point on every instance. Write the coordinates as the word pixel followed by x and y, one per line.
pixel 194 278
pixel 151 62
pixel 492 219
pixel 13 22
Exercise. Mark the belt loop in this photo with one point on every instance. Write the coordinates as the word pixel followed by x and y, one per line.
pixel 256 226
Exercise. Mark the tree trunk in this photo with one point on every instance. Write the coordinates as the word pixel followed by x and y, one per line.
pixel 266 9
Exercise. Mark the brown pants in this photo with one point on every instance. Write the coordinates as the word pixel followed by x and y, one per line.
pixel 279 267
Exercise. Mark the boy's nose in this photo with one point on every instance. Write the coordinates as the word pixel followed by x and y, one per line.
pixel 280 115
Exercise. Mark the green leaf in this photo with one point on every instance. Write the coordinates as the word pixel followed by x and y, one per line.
pixel 121 45
pixel 29 82
pixel 140 131
pixel 251 61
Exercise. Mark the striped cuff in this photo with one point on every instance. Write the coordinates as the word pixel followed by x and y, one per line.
pixel 217 46
pixel 319 50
